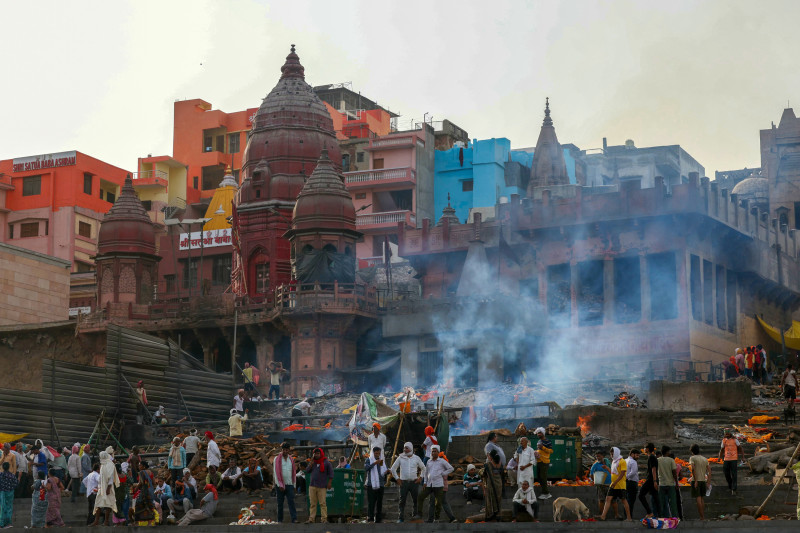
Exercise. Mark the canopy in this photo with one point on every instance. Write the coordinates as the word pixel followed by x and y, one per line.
pixel 12 437
pixel 791 336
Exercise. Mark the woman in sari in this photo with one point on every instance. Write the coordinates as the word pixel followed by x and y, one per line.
pixel 39 501
pixel 142 513
pixel 492 475
pixel 54 488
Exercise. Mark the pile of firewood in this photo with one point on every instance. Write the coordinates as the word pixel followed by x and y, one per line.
pixel 628 400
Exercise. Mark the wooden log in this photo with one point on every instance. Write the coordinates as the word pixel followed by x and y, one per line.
pixel 760 463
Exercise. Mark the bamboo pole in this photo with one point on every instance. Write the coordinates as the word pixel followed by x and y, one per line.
pixel 777 484
pixel 400 427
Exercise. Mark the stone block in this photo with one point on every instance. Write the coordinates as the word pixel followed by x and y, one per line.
pixel 700 396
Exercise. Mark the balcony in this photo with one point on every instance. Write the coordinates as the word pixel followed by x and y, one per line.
pixel 151 178
pixel 376 178
pixel 393 142
pixel 385 220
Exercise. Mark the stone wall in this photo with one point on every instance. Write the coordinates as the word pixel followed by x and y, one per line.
pixel 621 425
pixel 699 396
pixel 34 287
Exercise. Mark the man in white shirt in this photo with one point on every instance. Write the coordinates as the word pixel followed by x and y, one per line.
pixel 302 409
pixel 435 471
pixel 526 462
pixel 632 477
pixel 231 478
pixel 789 386
pixel 191 443
pixel 238 401
pixel 92 482
pixel 408 469
pixel 284 473
pixel 525 500
pixel 375 471
pixel 213 457
pixel 377 439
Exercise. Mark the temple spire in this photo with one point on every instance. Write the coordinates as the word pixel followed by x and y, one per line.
pixel 547 120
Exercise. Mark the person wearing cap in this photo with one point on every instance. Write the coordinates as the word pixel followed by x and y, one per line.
pixel 213 456
pixel 543 450
pixel 284 474
pixel 191 443
pixel 176 461
pixel 729 451
pixel 142 413
pixel 235 422
pixel 473 486
pixel 375 471
pixel 408 470
pixel 436 470
pixel 377 439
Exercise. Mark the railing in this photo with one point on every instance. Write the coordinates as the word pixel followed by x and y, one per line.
pixel 150 177
pixel 388 217
pixel 392 141
pixel 321 296
pixel 368 176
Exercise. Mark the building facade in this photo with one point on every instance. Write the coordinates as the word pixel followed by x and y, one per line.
pixel 34 287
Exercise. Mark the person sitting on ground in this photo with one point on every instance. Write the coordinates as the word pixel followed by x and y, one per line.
pixel 163 492
pixel 182 497
pixel 231 478
pixel 473 486
pixel 214 477
pixel 525 500
pixel 616 491
pixel 235 422
pixel 208 506
pixel 190 482
pixel 252 476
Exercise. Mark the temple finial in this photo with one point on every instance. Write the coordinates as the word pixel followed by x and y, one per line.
pixel 292 48
pixel 448 199
pixel 547 120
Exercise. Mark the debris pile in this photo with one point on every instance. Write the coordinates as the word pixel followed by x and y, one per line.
pixel 627 400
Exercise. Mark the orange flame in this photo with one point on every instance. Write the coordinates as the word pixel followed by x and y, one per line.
pixel 583 424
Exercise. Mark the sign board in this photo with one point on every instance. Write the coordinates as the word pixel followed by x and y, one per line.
pixel 43 162
pixel 75 311
pixel 205 239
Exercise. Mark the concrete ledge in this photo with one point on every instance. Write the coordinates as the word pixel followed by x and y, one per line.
pixel 624 425
pixel 699 396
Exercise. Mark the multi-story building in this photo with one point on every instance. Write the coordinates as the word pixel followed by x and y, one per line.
pixel 33 287
pixel 53 205
pixel 397 188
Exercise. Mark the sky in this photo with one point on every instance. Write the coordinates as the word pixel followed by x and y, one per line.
pixel 101 76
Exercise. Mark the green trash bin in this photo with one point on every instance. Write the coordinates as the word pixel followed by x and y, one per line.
pixel 565 459
pixel 346 497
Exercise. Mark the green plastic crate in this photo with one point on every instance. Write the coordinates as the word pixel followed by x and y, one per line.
pixel 346 497
pixel 565 460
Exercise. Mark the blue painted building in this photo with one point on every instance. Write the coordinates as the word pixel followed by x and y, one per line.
pixel 478 175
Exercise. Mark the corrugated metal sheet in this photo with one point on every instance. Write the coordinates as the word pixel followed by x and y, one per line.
pixel 73 396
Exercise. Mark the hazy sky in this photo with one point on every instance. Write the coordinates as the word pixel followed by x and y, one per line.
pixel 101 77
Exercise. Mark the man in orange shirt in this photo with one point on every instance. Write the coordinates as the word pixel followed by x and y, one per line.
pixel 729 452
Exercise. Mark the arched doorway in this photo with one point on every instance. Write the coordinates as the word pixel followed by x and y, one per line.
pixel 222 356
pixel 196 350
pixel 246 352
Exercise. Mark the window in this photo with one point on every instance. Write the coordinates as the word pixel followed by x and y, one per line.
pixel 87 183
pixel 429 368
pixel 29 229
pixel 11 231
pixel 468 360
pixel 221 270
pixel 402 200
pixel 110 197
pixel 169 282
pixel 559 298
pixel 262 278
pixel 147 204
pixel 207 144
pixel 720 297
pixel 194 182
pixel 31 186
pixel 190 273
pixel 85 230
pixel 529 289
pixel 730 296
pixel 359 157
pixel 212 176
pixel 346 163
pixel 47 227
pixel 80 266
pixel 377 164
pixel 627 290
pixel 466 186
pixel 233 143
pixel 663 281
pixel 101 193
pixel 590 293
pixel 696 287
pixel 708 292
pixel 797 215
pixel 361 196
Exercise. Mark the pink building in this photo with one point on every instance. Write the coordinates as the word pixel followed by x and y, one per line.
pixel 398 187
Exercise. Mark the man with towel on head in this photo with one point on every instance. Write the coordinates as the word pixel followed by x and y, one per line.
pixel 213 457
pixel 408 470
pixel 106 500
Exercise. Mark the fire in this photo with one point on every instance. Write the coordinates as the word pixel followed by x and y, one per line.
pixel 583 424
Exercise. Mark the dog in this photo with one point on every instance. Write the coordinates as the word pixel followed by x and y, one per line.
pixel 789 414
pixel 573 505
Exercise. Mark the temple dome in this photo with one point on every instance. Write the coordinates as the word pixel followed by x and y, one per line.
pixel 127 228
pixel 755 189
pixel 324 202
pixel 290 129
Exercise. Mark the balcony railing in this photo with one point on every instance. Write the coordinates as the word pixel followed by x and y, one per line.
pixel 387 218
pixel 150 177
pixel 371 177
